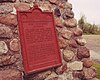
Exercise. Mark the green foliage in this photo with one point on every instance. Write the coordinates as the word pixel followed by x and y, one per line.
pixel 87 27
pixel 97 66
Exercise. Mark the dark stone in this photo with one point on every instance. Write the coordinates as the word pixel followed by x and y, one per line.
pixel 7 60
pixel 83 52
pixel 57 12
pixel 73 43
pixel 5 32
pixel 87 63
pixel 87 74
pixel 61 69
pixel 68 14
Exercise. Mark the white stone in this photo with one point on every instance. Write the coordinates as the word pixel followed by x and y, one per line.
pixel 52 75
pixel 95 79
pixel 76 65
pixel 14 11
pixel 3 48
pixel 66 76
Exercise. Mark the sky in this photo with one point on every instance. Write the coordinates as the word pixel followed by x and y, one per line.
pixel 89 8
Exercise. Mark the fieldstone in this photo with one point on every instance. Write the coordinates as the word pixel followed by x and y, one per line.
pixel 22 6
pixel 56 78
pixel 76 74
pixel 5 32
pixel 59 22
pixel 68 5
pixel 53 1
pixel 14 45
pixel 61 69
pixel 10 74
pixel 5 8
pixel 62 42
pixel 64 5
pixel 1 1
pixel 83 52
pixel 9 19
pixel 73 43
pixel 61 4
pixel 68 14
pixel 70 22
pixel 88 74
pixel 46 6
pixel 19 65
pixel 76 65
pixel 3 48
pixel 78 32
pixel 81 42
pixel 95 79
pixel 87 63
pixel 57 12
pixel 66 33
pixel 68 55
pixel 27 1
pixel 66 76
pixel 42 75
pixel 52 76
pixel 7 60
pixel 14 11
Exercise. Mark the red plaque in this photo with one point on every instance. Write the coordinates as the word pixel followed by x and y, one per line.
pixel 38 38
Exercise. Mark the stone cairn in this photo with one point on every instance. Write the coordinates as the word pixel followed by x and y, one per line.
pixel 75 56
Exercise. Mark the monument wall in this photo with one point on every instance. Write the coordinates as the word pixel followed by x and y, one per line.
pixel 77 64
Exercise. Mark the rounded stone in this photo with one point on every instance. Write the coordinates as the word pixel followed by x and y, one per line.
pixel 27 1
pixel 81 42
pixel 68 14
pixel 52 76
pixel 76 65
pixel 83 52
pixel 62 42
pixel 72 22
pixel 57 12
pixel 64 5
pixel 3 48
pixel 73 43
pixel 77 31
pixel 22 6
pixel 88 74
pixel 53 1
pixel 7 60
pixel 68 55
pixel 61 69
pixel 6 8
pixel 14 45
pixel 10 74
pixel 59 22
pixel 66 33
pixel 68 5
pixel 46 6
pixel 5 32
pixel 9 19
pixel 42 75
pixel 87 63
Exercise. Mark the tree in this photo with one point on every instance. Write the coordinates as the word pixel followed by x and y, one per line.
pixel 88 28
pixel 81 22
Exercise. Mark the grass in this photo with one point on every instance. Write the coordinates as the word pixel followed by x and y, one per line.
pixel 97 66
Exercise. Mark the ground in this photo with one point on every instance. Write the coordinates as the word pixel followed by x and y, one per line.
pixel 93 43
